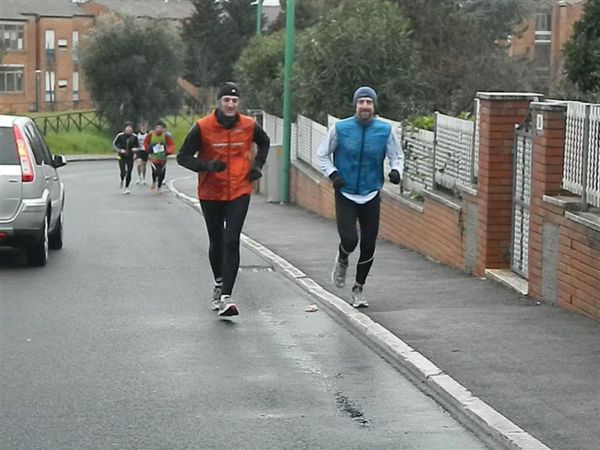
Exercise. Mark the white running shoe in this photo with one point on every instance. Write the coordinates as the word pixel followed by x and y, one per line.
pixel 338 275
pixel 226 307
pixel 138 181
pixel 216 298
pixel 126 191
pixel 358 298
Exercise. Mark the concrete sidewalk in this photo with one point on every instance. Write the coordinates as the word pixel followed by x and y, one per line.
pixel 537 365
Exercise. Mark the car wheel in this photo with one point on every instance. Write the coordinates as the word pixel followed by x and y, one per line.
pixel 55 238
pixel 37 254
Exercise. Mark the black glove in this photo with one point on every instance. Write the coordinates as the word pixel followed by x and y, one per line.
pixel 255 173
pixel 338 182
pixel 214 165
pixel 394 176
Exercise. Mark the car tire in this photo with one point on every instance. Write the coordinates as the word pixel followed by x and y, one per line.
pixel 55 238
pixel 37 254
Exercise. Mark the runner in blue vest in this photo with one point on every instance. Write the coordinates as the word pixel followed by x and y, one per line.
pixel 359 145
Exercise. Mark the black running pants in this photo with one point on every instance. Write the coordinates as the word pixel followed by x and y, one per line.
pixel 126 166
pixel 224 222
pixel 347 214
pixel 158 173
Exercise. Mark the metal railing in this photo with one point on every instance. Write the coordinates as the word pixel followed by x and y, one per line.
pixel 445 157
pixel 581 172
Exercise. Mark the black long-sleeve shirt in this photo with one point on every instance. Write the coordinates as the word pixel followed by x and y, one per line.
pixel 193 144
pixel 127 142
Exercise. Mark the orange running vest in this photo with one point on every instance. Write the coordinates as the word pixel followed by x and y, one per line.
pixel 234 148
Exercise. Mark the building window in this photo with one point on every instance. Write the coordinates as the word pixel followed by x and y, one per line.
pixel 50 82
pixel 12 36
pixel 75 86
pixel 75 46
pixel 543 28
pixel 543 22
pixel 62 43
pixel 62 83
pixel 542 58
pixel 11 79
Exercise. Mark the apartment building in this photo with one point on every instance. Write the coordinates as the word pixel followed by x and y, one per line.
pixel 40 68
pixel 542 37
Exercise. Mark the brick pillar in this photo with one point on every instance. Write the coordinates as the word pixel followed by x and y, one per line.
pixel 499 112
pixel 549 121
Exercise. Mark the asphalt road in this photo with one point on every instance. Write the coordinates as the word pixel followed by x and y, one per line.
pixel 113 345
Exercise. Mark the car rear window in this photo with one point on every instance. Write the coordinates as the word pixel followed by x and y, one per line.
pixel 8 148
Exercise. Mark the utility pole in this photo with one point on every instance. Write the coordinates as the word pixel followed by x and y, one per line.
pixel 287 101
pixel 259 16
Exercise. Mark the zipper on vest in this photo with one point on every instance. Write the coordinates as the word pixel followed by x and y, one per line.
pixel 229 165
pixel 360 156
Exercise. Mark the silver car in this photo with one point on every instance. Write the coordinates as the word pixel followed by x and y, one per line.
pixel 32 197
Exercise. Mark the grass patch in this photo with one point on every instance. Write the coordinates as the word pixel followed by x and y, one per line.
pixel 86 142
pixel 94 142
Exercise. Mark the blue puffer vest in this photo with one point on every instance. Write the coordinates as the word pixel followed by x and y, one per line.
pixel 360 153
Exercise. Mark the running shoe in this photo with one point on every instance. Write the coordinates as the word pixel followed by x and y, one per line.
pixel 338 275
pixel 226 307
pixel 358 298
pixel 216 298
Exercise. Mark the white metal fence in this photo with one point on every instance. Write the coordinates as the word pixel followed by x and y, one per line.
pixel 581 174
pixel 451 149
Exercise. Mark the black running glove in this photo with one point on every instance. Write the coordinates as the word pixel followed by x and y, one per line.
pixel 338 182
pixel 214 166
pixel 394 176
pixel 255 173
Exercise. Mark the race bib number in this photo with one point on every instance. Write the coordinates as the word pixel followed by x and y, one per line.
pixel 158 148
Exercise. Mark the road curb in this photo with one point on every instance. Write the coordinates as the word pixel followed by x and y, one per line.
pixel 491 426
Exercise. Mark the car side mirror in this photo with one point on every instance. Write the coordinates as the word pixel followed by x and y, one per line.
pixel 59 161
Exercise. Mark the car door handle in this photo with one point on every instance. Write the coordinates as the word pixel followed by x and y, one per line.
pixel 46 178
pixel 13 180
pixel 55 178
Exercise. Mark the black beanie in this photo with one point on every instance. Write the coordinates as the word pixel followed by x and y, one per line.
pixel 228 88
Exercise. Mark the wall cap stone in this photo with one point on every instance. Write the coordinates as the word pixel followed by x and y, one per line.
pixel 553 106
pixel 510 96
pixel 589 219
pixel 444 199
pixel 309 171
pixel 393 193
pixel 566 202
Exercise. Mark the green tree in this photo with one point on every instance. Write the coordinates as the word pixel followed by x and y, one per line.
pixel 307 13
pixel 459 44
pixel 365 43
pixel 215 35
pixel 131 67
pixel 201 35
pixel 260 73
pixel 582 51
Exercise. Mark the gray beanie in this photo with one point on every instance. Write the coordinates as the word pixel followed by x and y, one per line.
pixel 364 91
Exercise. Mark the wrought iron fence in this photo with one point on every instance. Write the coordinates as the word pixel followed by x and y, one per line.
pixel 581 174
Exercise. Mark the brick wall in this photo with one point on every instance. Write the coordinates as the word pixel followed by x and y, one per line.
pixel 432 228
pixel 577 247
pixel 564 255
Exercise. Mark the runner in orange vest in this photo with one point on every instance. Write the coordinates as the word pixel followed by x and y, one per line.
pixel 219 148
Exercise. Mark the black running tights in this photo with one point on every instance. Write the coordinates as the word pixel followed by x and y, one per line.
pixel 126 166
pixel 347 214
pixel 224 222
pixel 158 173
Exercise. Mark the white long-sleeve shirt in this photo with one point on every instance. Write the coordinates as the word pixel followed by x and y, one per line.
pixel 393 152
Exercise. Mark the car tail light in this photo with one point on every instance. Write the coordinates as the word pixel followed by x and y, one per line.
pixel 27 173
pixel 3 235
